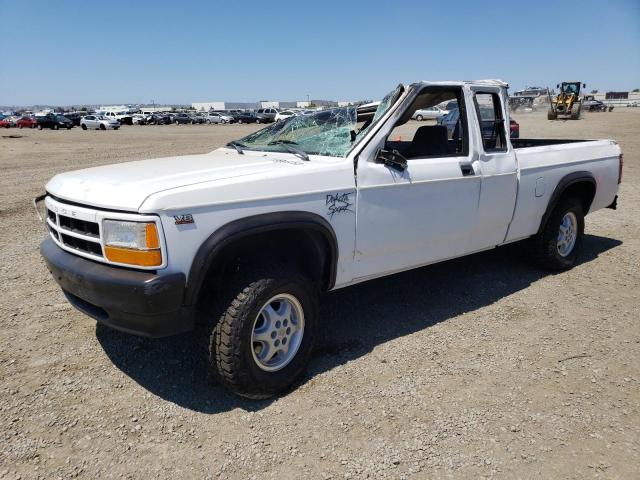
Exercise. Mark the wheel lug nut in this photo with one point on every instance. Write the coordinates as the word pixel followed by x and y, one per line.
pixel 288 330
pixel 278 324
pixel 276 343
pixel 285 323
pixel 274 334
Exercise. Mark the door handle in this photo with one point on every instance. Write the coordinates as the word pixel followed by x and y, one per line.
pixel 467 169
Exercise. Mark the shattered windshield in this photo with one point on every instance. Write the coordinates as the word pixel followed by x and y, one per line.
pixel 331 132
pixel 327 132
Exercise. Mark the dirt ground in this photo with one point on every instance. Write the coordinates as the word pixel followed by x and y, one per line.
pixel 478 367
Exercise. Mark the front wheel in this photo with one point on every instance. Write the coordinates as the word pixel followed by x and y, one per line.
pixel 264 339
pixel 558 245
pixel 55 127
pixel 20 126
pixel 39 127
pixel 419 118
pixel 102 127
pixel 551 114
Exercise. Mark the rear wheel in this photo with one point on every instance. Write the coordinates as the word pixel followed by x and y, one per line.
pixel 263 340
pixel 558 245
pixel 419 118
pixel 55 126
pixel 20 126
pixel 39 127
pixel 102 127
pixel 240 120
pixel 83 126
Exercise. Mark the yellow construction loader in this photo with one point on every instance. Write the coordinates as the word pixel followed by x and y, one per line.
pixel 567 103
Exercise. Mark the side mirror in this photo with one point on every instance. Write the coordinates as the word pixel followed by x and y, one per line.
pixel 392 159
pixel 584 85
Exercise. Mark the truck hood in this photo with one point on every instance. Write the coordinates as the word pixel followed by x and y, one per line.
pixel 125 186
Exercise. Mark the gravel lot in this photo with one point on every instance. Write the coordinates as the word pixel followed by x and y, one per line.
pixel 478 367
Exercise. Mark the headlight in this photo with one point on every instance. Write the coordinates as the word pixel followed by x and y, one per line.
pixel 134 243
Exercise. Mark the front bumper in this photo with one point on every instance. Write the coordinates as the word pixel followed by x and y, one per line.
pixel 141 303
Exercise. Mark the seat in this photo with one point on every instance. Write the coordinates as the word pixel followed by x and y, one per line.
pixel 429 141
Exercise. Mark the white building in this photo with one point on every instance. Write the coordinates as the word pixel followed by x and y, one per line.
pixel 206 106
pixel 113 108
pixel 267 104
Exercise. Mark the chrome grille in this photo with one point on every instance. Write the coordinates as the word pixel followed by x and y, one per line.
pixel 80 235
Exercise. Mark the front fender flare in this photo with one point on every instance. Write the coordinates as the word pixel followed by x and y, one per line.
pixel 252 225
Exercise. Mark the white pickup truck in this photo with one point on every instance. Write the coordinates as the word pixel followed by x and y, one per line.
pixel 241 242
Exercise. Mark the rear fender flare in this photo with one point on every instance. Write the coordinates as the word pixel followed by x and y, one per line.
pixel 564 183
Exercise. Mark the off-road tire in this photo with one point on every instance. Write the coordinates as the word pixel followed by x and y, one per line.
pixel 551 115
pixel 575 115
pixel 544 245
pixel 226 324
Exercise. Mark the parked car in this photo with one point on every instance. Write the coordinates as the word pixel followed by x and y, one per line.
pixel 249 117
pixel 27 121
pixel 285 114
pixel 429 113
pixel 245 245
pixel 267 115
pixel 54 122
pixel 158 118
pixel 123 117
pixel 138 119
pixel 451 121
pixel 9 120
pixel 181 118
pixel 633 104
pixel 75 117
pixel 4 123
pixel 99 122
pixel 216 117
pixel 514 128
pixel 197 118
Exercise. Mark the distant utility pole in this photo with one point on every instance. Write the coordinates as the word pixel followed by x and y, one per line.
pixel 308 102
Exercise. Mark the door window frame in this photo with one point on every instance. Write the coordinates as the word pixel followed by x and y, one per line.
pixel 498 108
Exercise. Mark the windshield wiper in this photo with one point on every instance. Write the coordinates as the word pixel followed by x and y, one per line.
pixel 287 145
pixel 237 145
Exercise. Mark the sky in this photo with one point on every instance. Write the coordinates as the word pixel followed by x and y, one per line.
pixel 178 52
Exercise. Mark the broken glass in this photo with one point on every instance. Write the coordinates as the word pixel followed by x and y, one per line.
pixel 330 132
pixel 327 132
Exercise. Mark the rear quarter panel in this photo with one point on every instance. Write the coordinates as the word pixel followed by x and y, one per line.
pixel 542 168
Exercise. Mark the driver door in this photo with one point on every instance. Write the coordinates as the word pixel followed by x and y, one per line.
pixel 424 213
